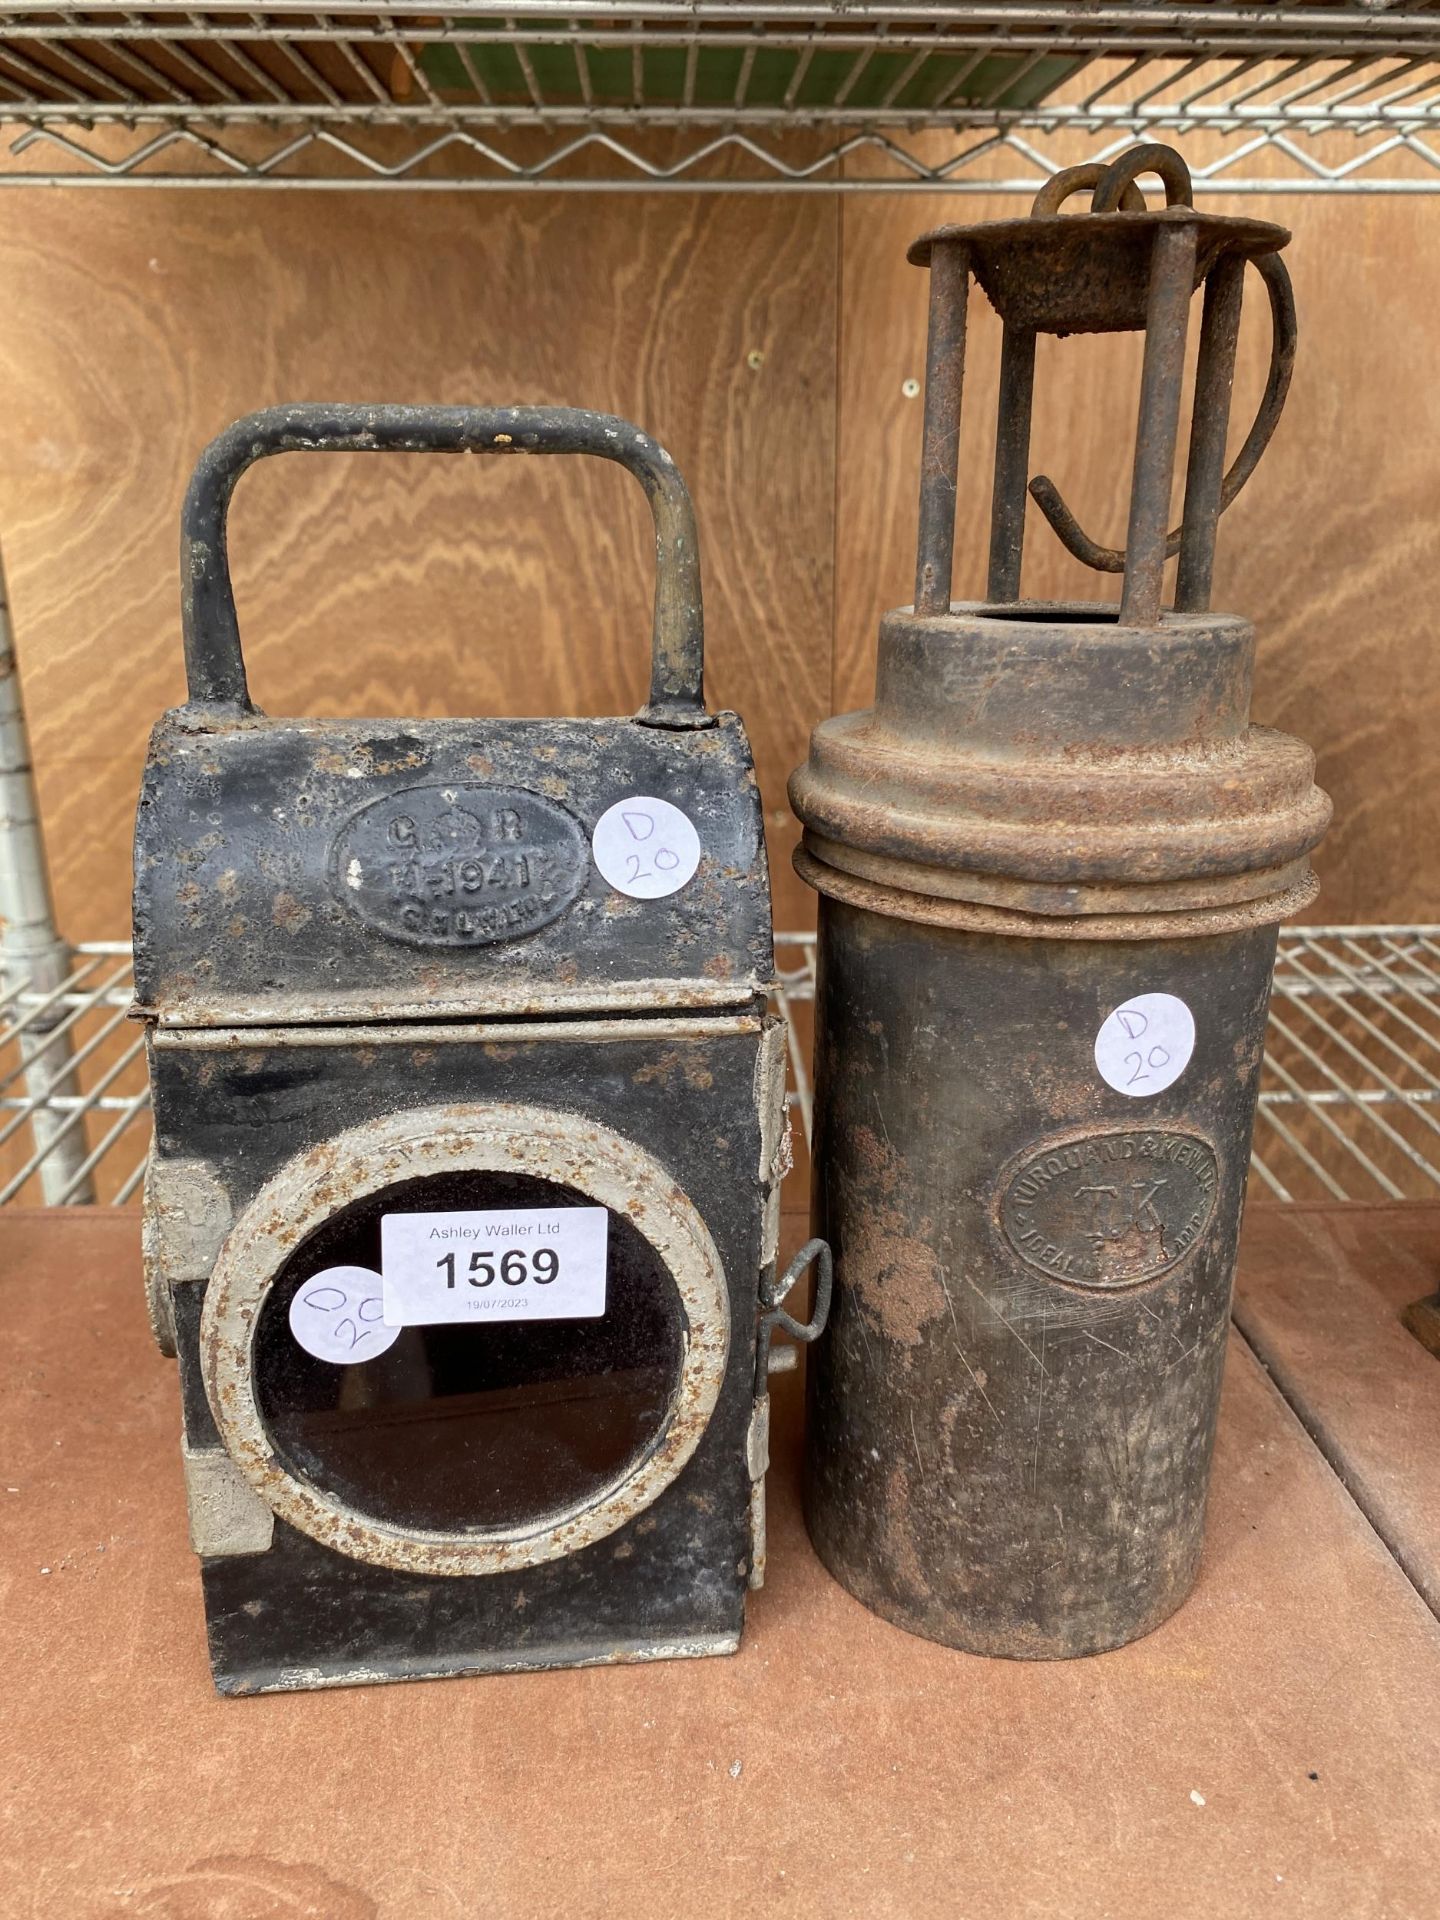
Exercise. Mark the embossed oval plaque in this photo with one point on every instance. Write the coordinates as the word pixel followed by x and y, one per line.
pixel 1110 1209
pixel 460 866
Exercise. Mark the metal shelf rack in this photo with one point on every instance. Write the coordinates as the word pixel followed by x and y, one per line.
pixel 74 1098
pixel 1349 1101
pixel 1318 96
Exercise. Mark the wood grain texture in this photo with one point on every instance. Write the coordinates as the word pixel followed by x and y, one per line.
pixel 137 327
pixel 1333 549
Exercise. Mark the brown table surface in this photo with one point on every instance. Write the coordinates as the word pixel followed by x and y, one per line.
pixel 1319 1300
pixel 1272 1749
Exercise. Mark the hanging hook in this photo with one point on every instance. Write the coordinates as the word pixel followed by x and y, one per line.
pixel 1059 187
pixel 814 1253
pixel 1090 553
pixel 1116 179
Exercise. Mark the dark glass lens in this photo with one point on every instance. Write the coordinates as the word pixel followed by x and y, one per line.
pixel 473 1427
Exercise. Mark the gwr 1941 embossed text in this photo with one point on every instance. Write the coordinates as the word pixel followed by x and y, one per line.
pixel 460 866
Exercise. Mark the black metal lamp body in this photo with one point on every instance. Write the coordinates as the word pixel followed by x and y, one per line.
pixel 386 978
pixel 1052 860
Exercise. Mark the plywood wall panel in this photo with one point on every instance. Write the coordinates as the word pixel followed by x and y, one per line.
pixel 136 326
pixel 1333 550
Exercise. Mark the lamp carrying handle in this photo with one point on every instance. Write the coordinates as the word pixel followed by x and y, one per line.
pixel 214 660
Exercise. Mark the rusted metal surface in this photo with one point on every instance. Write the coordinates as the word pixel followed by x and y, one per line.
pixel 271 853
pixel 1049 812
pixel 1205 473
pixel 1012 1412
pixel 940 445
pixel 418 1035
pixel 473 1137
pixel 1193 589
pixel 1088 273
pixel 1167 319
pixel 675 1573
pixel 1058 763
pixel 1151 918
pixel 1012 463
pixel 1117 268
pixel 382 972
pixel 246 912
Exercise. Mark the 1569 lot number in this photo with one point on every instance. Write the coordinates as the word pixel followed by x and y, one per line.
pixel 512 1268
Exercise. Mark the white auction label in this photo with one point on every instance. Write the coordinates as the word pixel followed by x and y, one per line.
pixel 513 1263
pixel 646 847
pixel 1145 1045
pixel 338 1315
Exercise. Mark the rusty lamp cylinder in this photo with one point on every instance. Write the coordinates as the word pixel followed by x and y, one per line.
pixel 1051 860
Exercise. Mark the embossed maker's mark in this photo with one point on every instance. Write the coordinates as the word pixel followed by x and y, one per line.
pixel 1110 1209
pixel 460 866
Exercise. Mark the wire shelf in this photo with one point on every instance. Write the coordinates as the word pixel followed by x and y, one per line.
pixel 74 1095
pixel 797 95
pixel 1349 1098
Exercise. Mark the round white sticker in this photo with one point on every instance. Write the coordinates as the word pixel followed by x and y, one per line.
pixel 645 847
pixel 338 1315
pixel 1145 1045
